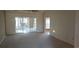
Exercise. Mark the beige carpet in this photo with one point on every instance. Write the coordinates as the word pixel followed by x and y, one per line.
pixel 33 40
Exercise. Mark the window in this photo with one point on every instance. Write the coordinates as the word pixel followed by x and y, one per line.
pixel 22 24
pixel 47 23
pixel 25 24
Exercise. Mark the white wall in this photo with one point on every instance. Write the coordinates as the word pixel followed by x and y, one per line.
pixel 77 30
pixel 10 21
pixel 63 23
pixel 2 26
pixel 40 23
pixel 10 24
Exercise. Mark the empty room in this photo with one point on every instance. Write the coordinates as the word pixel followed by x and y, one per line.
pixel 39 28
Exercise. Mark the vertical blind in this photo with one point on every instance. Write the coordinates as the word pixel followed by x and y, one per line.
pixel 25 24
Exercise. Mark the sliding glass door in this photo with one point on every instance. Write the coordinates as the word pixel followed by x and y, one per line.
pixel 47 25
pixel 25 24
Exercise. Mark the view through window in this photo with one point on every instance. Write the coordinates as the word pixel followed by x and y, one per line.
pixel 47 23
pixel 25 24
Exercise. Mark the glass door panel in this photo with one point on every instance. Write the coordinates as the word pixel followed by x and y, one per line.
pixel 25 24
